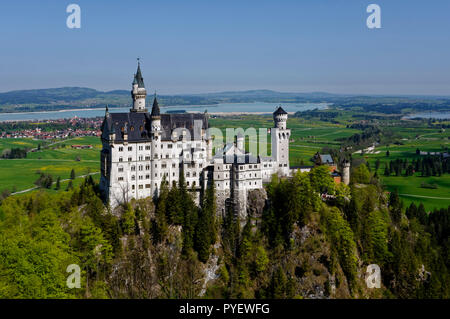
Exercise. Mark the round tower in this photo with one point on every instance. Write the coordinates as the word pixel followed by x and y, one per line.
pixel 346 172
pixel 280 117
pixel 155 118
pixel 138 93
pixel 280 136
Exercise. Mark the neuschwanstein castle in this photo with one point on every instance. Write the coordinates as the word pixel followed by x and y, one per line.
pixel 140 149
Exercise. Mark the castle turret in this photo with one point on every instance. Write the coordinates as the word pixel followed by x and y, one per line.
pixel 156 146
pixel 346 172
pixel 138 93
pixel 280 140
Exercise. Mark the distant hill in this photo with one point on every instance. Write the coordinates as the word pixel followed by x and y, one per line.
pixel 78 97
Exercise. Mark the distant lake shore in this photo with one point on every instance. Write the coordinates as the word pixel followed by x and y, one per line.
pixel 217 109
pixel 429 115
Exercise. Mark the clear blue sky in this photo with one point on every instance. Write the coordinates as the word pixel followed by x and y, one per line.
pixel 191 46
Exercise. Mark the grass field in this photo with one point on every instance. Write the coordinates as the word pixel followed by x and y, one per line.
pixel 20 174
pixel 8 143
pixel 424 139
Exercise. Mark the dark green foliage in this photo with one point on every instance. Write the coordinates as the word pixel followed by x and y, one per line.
pixel 206 230
pixel 160 224
pixel 291 202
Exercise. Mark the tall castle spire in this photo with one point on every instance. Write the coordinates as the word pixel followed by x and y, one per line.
pixel 155 107
pixel 138 93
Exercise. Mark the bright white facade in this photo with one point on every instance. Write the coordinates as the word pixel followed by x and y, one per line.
pixel 140 149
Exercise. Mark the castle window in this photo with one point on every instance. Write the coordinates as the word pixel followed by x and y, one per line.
pixel 120 178
pixel 193 183
pixel 132 128
pixel 141 186
pixel 132 187
pixel 147 176
pixel 120 149
pixel 164 165
pixel 147 185
pixel 147 147
pixel 187 183
pixel 120 169
pixel 140 157
pixel 129 159
pixel 133 177
pixel 120 159
pixel 141 167
pixel 173 165
pixel 141 147
pixel 167 155
pixel 130 148
pixel 140 177
pixel 133 168
pixel 169 146
pixel 147 158
pixel 141 128
pixel 147 167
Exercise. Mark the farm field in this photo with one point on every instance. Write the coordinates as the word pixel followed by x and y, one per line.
pixel 409 187
pixel 20 174
pixel 8 143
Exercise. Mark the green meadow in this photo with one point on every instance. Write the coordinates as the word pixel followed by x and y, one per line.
pixel 409 188
pixel 20 174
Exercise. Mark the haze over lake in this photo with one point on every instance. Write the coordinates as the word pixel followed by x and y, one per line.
pixel 256 107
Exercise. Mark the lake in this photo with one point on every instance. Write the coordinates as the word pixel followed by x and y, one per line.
pixel 430 115
pixel 256 107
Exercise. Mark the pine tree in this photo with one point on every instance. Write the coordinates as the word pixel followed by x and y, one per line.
pixel 160 231
pixel 174 207
pixel 72 174
pixel 206 232
pixel 58 183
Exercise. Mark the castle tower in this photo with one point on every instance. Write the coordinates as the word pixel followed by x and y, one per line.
pixel 155 147
pixel 280 140
pixel 138 93
pixel 346 172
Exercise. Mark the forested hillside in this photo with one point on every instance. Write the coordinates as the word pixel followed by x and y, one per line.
pixel 298 246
